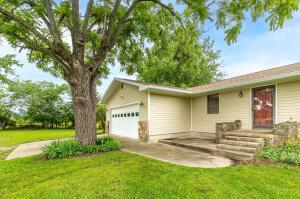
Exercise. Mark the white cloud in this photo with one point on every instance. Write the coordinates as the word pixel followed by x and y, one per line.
pixel 263 51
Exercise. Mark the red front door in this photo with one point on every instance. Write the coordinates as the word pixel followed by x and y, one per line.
pixel 263 107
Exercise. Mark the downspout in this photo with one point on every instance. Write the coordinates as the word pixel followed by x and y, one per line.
pixel 149 113
pixel 191 114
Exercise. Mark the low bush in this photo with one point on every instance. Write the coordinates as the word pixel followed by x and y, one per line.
pixel 290 153
pixel 63 149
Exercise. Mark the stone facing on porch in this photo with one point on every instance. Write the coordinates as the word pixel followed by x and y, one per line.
pixel 225 127
pixel 286 132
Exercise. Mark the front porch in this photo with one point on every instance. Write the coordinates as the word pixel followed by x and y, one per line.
pixel 239 145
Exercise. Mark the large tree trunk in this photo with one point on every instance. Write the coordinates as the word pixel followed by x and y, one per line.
pixel 83 87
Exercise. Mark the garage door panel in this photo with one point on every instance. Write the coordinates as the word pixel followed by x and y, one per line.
pixel 124 121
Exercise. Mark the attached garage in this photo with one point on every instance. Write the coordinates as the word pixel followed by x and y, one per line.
pixel 146 112
pixel 127 108
pixel 125 121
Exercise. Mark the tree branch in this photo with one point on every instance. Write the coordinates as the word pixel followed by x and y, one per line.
pixel 111 40
pixel 104 19
pixel 171 10
pixel 32 46
pixel 121 23
pixel 107 42
pixel 86 18
pixel 76 37
pixel 113 17
pixel 123 20
pixel 51 19
pixel 25 25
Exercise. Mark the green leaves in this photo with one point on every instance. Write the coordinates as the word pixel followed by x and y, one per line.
pixel 68 148
pixel 231 14
pixel 183 60
pixel 42 102
pixel 289 153
pixel 6 67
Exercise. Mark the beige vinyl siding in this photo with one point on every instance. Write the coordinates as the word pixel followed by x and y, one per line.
pixel 288 101
pixel 129 95
pixel 231 107
pixel 169 114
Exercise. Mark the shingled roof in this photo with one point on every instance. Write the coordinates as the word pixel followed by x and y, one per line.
pixel 250 77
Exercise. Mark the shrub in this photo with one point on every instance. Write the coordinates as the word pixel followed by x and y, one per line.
pixel 289 153
pixel 63 149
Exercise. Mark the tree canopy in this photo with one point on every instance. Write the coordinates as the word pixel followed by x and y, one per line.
pixel 7 63
pixel 185 60
pixel 43 103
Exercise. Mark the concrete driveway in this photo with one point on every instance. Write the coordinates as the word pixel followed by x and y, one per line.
pixel 166 153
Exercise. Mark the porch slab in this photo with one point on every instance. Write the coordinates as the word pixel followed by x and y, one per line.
pixel 173 154
pixel 200 144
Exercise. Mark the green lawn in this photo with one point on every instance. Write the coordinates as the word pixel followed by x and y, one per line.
pixel 124 175
pixel 10 138
pixel 16 137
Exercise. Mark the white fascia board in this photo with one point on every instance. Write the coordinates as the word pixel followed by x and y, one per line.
pixel 106 93
pixel 128 82
pixel 149 87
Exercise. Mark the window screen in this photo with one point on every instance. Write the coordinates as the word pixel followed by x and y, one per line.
pixel 213 104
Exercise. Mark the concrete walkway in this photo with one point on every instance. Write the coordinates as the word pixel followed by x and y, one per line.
pixel 28 149
pixel 166 153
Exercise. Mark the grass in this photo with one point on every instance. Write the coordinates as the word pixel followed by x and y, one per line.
pixel 15 137
pixel 4 153
pixel 123 175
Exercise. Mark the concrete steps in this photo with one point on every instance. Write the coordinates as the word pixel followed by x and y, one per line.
pixel 237 148
pixel 246 139
pixel 236 155
pixel 237 145
pixel 250 134
pixel 241 143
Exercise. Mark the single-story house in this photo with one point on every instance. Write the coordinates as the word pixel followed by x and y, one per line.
pixel 151 112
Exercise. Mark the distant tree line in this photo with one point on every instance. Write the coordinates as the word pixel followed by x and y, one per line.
pixel 28 104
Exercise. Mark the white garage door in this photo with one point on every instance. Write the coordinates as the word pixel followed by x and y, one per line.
pixel 124 121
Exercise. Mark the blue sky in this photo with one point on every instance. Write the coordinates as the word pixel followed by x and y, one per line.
pixel 257 49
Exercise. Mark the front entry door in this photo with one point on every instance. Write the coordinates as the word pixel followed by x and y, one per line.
pixel 263 107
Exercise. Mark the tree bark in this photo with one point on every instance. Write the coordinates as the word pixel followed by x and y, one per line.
pixel 83 88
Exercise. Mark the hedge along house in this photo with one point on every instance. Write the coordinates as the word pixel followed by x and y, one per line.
pixel 151 112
